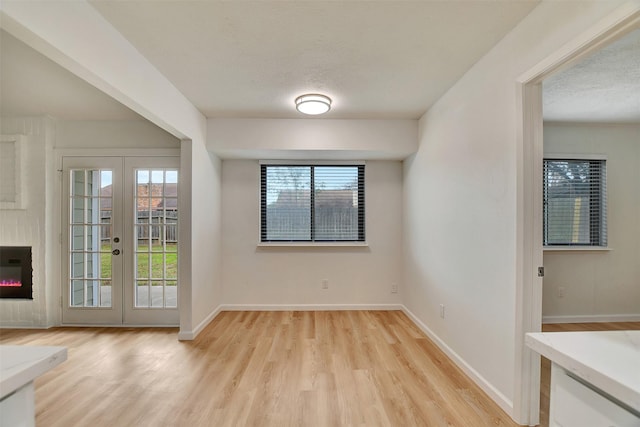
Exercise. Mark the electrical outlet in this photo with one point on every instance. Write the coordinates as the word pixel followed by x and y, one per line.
pixel 394 288
pixel 442 311
pixel 325 284
pixel 561 291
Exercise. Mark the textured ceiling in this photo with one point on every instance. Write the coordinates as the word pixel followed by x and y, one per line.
pixel 380 59
pixel 604 87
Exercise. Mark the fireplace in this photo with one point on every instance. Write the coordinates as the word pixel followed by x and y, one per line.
pixel 16 272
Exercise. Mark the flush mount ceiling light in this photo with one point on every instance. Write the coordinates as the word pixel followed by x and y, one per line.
pixel 313 104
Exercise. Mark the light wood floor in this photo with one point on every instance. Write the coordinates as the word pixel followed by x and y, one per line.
pixel 545 364
pixel 346 368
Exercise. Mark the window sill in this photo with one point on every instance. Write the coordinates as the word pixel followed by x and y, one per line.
pixel 576 249
pixel 312 244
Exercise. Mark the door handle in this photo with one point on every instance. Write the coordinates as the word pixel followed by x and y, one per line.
pixel 116 252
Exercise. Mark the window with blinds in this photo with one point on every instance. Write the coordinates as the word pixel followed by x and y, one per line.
pixel 575 202
pixel 312 203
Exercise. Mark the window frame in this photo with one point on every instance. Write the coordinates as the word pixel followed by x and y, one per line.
pixel 597 240
pixel 361 241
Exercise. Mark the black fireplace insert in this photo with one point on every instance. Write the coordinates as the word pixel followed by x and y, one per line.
pixel 16 272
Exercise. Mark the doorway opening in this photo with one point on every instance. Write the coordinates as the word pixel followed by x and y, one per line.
pixel 529 295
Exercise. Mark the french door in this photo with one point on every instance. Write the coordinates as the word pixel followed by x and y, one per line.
pixel 119 240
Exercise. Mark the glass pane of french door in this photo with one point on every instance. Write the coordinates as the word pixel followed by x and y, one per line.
pixel 90 230
pixel 156 253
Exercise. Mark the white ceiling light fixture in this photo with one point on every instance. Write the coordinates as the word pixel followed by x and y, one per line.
pixel 313 104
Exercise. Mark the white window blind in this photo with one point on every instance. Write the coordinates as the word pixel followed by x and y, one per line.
pixel 312 203
pixel 574 202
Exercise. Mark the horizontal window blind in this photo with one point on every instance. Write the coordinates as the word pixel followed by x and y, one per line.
pixel 312 203
pixel 286 203
pixel 574 203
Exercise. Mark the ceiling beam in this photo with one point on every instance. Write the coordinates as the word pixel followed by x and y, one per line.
pixel 74 35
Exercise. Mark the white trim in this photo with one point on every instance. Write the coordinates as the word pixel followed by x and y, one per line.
pixel 60 153
pixel 500 399
pixel 529 255
pixel 607 29
pixel 592 318
pixel 573 156
pixel 191 335
pixel 311 307
pixel 26 326
pixel 117 152
pixel 98 325
pixel 589 124
pixel 347 244
pixel 576 249
pixel 313 162
pixel 185 189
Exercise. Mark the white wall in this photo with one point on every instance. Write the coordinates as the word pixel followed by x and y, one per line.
pixel 28 227
pixel 599 285
pixel 112 134
pixel 206 236
pixel 312 138
pixel 292 276
pixel 460 201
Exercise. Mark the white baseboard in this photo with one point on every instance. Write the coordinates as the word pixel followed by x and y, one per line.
pixel 23 326
pixel 505 403
pixel 191 335
pixel 309 307
pixel 122 326
pixel 594 318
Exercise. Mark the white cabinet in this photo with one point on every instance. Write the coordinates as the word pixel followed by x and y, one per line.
pixel 595 377
pixel 18 408
pixel 576 404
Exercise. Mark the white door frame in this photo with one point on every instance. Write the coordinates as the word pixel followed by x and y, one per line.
pixel 60 228
pixel 526 405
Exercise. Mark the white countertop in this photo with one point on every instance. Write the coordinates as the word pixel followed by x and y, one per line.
pixel 21 364
pixel 609 360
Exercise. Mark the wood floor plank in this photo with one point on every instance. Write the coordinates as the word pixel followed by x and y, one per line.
pixel 338 368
